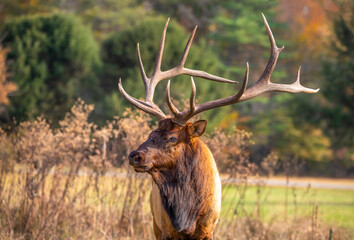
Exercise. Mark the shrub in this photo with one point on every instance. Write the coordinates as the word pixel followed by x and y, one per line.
pixel 231 151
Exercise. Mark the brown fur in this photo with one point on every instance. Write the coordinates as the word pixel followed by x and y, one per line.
pixel 185 199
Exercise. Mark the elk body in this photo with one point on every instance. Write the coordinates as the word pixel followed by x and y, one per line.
pixel 186 194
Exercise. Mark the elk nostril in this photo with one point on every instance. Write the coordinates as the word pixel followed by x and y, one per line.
pixel 135 157
pixel 131 155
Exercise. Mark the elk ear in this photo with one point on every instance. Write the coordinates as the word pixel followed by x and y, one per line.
pixel 197 129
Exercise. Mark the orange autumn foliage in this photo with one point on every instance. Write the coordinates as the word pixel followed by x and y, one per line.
pixel 5 86
pixel 309 21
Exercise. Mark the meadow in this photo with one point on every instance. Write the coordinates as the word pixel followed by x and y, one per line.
pixel 334 207
pixel 115 205
pixel 70 183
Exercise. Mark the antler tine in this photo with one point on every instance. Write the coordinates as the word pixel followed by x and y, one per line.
pixel 264 84
pixel 295 87
pixel 224 101
pixel 172 107
pixel 274 54
pixel 148 108
pixel 181 118
pixel 192 98
pixel 184 116
pixel 160 53
pixel 304 89
pixel 159 75
pixel 141 67
pixel 186 49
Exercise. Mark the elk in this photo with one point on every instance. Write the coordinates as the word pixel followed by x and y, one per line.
pixel 186 194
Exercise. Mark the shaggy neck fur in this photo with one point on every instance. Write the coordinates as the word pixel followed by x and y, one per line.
pixel 183 188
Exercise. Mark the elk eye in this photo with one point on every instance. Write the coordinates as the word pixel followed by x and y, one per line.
pixel 172 139
pixel 153 140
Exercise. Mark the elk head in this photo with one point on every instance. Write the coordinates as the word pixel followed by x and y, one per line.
pixel 173 132
pixel 165 145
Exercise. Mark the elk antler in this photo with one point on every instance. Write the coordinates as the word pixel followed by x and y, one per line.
pixel 263 85
pixel 150 83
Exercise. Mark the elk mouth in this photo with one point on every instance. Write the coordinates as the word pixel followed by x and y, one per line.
pixel 140 168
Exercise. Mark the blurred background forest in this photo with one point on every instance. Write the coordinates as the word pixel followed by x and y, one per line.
pixel 54 52
pixel 66 132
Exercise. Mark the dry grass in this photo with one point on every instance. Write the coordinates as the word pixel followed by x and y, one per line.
pixel 62 184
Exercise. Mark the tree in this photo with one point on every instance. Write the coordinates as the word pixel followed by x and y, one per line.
pixel 104 16
pixel 53 59
pixel 338 86
pixel 337 90
pixel 238 32
pixel 189 12
pixel 332 110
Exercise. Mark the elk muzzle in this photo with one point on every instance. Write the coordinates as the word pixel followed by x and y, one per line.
pixel 137 160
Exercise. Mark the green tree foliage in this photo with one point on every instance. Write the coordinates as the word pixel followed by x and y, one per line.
pixel 53 59
pixel 239 35
pixel 105 16
pixel 338 87
pixel 277 129
pixel 119 55
pixel 189 12
pixel 333 109
pixel 305 142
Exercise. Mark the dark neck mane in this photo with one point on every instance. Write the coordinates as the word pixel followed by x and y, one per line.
pixel 183 188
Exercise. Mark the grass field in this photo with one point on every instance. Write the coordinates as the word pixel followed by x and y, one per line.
pixel 112 207
pixel 334 207
pixel 61 184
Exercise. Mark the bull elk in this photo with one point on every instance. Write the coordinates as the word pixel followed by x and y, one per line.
pixel 186 193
